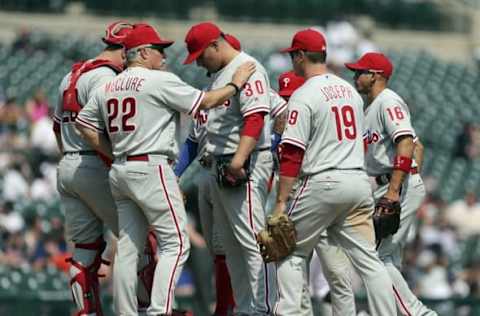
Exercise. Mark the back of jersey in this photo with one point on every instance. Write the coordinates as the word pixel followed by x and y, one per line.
pixel 139 109
pixel 326 120
pixel 87 83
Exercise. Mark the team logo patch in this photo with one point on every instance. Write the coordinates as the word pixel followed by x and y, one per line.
pixel 371 137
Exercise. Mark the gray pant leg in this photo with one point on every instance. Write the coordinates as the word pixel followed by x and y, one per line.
pixel 337 270
pixel 243 208
pixel 133 232
pixel 391 248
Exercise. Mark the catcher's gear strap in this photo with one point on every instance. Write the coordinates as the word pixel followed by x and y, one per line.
pixel 87 279
pixel 70 95
pixel 402 163
pixel 147 273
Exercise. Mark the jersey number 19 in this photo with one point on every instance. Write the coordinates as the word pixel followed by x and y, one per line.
pixel 345 121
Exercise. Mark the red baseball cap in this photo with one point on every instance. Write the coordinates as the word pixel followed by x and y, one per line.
pixel 198 38
pixel 144 34
pixel 116 32
pixel 288 82
pixel 233 41
pixel 309 40
pixel 374 62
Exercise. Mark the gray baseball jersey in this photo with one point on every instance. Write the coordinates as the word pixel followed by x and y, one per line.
pixel 386 118
pixel 114 108
pixel 225 122
pixel 333 117
pixel 277 104
pixel 71 139
pixel 198 132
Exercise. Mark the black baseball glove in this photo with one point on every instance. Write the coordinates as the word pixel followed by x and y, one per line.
pixel 386 218
pixel 225 178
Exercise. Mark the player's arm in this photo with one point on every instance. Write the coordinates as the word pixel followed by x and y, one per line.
pixel 397 124
pixel 278 112
pixel 91 126
pixel 292 151
pixel 217 97
pixel 57 119
pixel 418 153
pixel 277 130
pixel 254 105
pixel 182 97
pixel 401 166
pixel 97 140
pixel 253 126
pixel 291 159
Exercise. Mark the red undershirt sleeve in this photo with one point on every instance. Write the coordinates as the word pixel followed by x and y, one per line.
pixel 291 158
pixel 253 125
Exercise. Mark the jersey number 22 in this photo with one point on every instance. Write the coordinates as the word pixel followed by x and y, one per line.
pixel 128 110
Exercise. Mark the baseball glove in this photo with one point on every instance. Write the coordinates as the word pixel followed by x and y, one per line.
pixel 278 239
pixel 225 179
pixel 386 218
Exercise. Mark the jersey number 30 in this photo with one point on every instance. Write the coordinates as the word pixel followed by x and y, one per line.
pixel 128 110
pixel 345 121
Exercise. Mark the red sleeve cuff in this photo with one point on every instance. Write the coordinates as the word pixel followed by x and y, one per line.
pixel 291 158
pixel 253 125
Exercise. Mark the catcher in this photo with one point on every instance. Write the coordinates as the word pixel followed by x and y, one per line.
pixel 392 144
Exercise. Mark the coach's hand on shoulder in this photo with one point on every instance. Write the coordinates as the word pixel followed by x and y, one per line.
pixel 243 73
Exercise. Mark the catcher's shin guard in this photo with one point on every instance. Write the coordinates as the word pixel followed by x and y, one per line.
pixel 225 301
pixel 84 283
pixel 146 274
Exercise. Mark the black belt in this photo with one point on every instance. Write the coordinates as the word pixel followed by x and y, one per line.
pixel 82 153
pixel 384 179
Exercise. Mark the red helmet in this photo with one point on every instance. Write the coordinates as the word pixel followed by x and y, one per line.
pixel 116 32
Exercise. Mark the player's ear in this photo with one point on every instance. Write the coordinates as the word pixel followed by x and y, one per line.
pixel 143 53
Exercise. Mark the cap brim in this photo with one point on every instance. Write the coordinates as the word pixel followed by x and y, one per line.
pixel 192 57
pixel 285 93
pixel 355 66
pixel 288 50
pixel 164 44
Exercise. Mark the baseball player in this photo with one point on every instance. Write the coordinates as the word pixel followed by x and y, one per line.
pixel 238 135
pixel 140 110
pixel 82 174
pixel 322 145
pixel 389 159
pixel 195 146
pixel 329 257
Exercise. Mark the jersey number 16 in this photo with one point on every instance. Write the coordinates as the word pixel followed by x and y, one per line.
pixel 128 110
